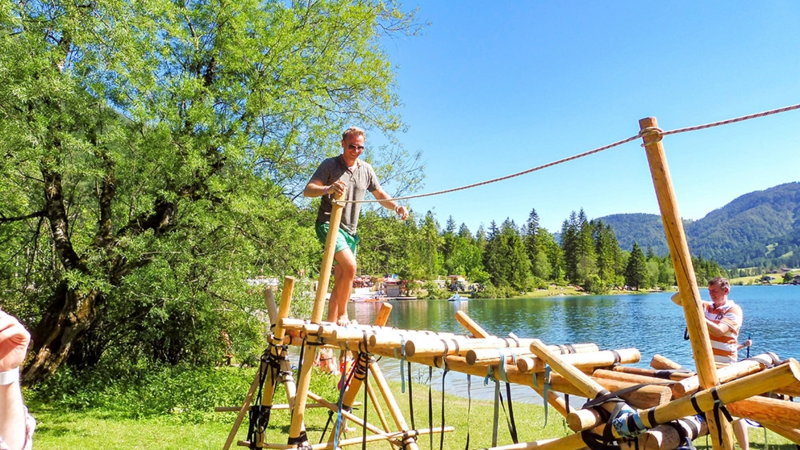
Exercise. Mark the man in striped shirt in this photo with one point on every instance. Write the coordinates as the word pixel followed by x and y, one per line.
pixel 724 320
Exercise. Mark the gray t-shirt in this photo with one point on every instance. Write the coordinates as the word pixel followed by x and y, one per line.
pixel 359 181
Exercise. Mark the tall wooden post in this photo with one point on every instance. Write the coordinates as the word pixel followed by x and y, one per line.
pixel 297 430
pixel 684 274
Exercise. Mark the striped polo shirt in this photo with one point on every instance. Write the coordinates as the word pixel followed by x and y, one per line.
pixel 725 347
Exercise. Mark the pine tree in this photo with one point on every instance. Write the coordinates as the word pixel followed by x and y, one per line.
pixel 636 271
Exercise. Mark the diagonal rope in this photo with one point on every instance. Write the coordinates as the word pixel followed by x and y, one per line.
pixel 584 154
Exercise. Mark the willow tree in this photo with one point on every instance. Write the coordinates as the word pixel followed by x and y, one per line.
pixel 152 150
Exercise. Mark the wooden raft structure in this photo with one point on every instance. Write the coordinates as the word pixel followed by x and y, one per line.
pixel 630 407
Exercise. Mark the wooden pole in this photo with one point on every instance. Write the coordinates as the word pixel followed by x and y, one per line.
pixel 663 363
pixel 605 358
pixel 731 372
pixel 491 356
pixel 763 409
pixel 466 321
pixel 671 375
pixel 684 272
pixel 297 429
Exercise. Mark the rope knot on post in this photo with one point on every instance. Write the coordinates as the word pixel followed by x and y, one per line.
pixel 651 131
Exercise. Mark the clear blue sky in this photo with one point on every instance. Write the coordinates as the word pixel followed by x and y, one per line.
pixel 493 88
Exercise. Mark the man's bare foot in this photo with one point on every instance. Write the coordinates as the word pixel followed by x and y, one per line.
pixel 343 321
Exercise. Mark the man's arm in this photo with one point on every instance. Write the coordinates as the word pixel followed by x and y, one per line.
pixel 14 339
pixel 315 188
pixel 717 329
pixel 401 210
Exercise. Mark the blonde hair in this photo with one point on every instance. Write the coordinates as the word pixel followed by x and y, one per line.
pixel 353 131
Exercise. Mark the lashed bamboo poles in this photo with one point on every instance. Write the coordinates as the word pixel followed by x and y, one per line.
pixel 297 429
pixel 739 369
pixel 552 398
pixel 729 393
pixel 275 340
pixel 492 356
pixel 643 398
pixel 589 360
pixel 355 383
pixel 684 272
pixel 661 374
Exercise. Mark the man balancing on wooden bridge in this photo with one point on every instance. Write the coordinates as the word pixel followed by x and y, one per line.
pixel 724 320
pixel 345 172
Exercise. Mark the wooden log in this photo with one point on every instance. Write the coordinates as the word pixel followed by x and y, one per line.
pixel 355 334
pixel 395 437
pixel 630 377
pixel 426 346
pixel 792 390
pixel 378 410
pixel 278 407
pixel 491 356
pixel 730 393
pixel 739 369
pixel 684 271
pixel 394 409
pixel 666 374
pixel 552 398
pixel 666 437
pixel 571 442
pixel 764 409
pixel 663 363
pixel 588 387
pixel 471 326
pixel 398 338
pixel 356 383
pixel 346 414
pixel 585 361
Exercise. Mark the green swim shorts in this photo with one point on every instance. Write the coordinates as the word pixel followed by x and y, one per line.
pixel 343 239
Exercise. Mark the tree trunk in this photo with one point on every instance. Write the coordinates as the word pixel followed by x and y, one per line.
pixel 68 317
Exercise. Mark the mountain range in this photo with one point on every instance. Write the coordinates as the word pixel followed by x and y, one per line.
pixel 761 228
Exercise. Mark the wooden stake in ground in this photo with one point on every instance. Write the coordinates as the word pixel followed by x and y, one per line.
pixel 684 272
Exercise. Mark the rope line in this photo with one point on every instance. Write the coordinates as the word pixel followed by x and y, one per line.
pixel 643 133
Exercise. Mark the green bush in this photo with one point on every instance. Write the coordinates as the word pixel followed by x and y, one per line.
pixel 492 291
pixel 433 291
pixel 179 393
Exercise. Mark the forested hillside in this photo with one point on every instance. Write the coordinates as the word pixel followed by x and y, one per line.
pixel 760 228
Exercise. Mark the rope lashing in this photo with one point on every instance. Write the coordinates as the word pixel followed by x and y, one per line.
pixel 545 388
pixel 643 133
pixel 402 359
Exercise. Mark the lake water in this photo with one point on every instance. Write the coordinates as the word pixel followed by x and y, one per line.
pixel 648 322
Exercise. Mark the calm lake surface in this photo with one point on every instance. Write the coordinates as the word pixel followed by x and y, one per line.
pixel 648 322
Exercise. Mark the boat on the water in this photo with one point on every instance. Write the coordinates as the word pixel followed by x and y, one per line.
pixel 457 298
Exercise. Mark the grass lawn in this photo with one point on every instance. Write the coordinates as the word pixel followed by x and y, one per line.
pixel 90 430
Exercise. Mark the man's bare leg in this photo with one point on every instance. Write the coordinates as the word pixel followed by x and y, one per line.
pixel 344 273
pixel 740 430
